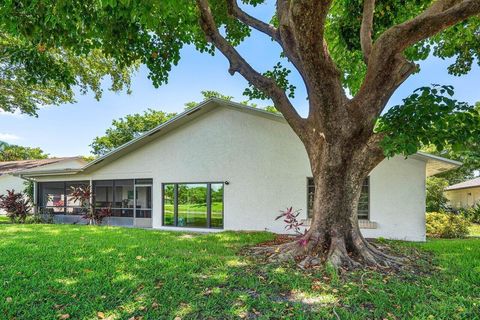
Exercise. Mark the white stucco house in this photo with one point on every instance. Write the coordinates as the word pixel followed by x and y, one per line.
pixel 10 170
pixel 225 166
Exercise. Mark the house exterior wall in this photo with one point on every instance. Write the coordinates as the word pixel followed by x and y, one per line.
pixel 267 168
pixel 463 198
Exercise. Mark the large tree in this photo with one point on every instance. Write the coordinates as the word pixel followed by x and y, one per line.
pixel 352 56
pixel 34 75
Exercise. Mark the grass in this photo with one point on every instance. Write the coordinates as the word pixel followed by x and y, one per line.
pixel 47 271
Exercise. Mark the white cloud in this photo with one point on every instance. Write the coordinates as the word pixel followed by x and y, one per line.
pixel 16 114
pixel 8 137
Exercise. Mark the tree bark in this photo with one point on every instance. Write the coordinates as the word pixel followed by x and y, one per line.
pixel 339 168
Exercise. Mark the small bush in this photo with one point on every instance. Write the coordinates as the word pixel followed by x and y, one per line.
pixel 446 225
pixel 45 216
pixel 472 213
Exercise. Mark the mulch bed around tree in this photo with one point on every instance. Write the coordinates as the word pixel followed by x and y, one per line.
pixel 279 239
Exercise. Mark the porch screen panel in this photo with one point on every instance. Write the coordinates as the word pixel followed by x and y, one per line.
pixel 115 194
pixel 74 206
pixel 123 201
pixel 103 191
pixel 55 197
pixel 52 196
pixel 143 205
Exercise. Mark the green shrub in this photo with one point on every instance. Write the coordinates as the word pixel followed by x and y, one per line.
pixel 472 213
pixel 446 225
pixel 436 199
pixel 43 216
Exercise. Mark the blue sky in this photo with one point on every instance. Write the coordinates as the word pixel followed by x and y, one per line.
pixel 68 130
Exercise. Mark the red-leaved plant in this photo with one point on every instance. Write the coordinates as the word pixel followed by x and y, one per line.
pixel 291 223
pixel 290 218
pixel 102 213
pixel 83 194
pixel 16 205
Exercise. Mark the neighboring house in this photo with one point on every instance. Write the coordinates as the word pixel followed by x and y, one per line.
pixel 225 166
pixel 464 194
pixel 9 170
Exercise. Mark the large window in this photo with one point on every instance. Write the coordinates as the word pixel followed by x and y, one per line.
pixel 363 210
pixel 194 205
pixel 55 197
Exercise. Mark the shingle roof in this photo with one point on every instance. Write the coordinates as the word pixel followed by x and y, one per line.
pixel 466 184
pixel 14 166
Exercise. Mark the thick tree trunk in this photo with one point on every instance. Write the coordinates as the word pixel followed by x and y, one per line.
pixel 334 236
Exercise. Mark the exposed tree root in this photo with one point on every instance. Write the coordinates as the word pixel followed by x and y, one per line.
pixel 358 254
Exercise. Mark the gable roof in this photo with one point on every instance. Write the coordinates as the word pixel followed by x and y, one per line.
pixel 7 167
pixel 435 163
pixel 473 183
pixel 180 120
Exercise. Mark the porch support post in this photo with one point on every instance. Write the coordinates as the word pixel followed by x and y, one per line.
pixel 35 196
pixel 91 205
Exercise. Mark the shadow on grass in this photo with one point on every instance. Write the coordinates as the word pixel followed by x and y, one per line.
pixel 52 270
pixel 123 273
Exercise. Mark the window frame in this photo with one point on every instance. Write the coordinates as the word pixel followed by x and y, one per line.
pixel 369 195
pixel 209 204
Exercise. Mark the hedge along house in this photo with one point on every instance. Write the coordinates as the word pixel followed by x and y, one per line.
pixel 225 166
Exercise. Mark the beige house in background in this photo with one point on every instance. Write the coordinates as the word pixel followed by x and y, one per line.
pixel 464 194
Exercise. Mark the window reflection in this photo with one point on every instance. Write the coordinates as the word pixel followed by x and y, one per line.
pixel 192 205
pixel 195 205
pixel 168 204
pixel 216 205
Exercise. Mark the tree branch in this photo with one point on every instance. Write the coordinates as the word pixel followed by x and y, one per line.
pixel 366 28
pixel 240 65
pixel 439 16
pixel 388 67
pixel 301 28
pixel 268 29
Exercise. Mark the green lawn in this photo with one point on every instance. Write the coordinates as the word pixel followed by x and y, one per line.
pixel 47 271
